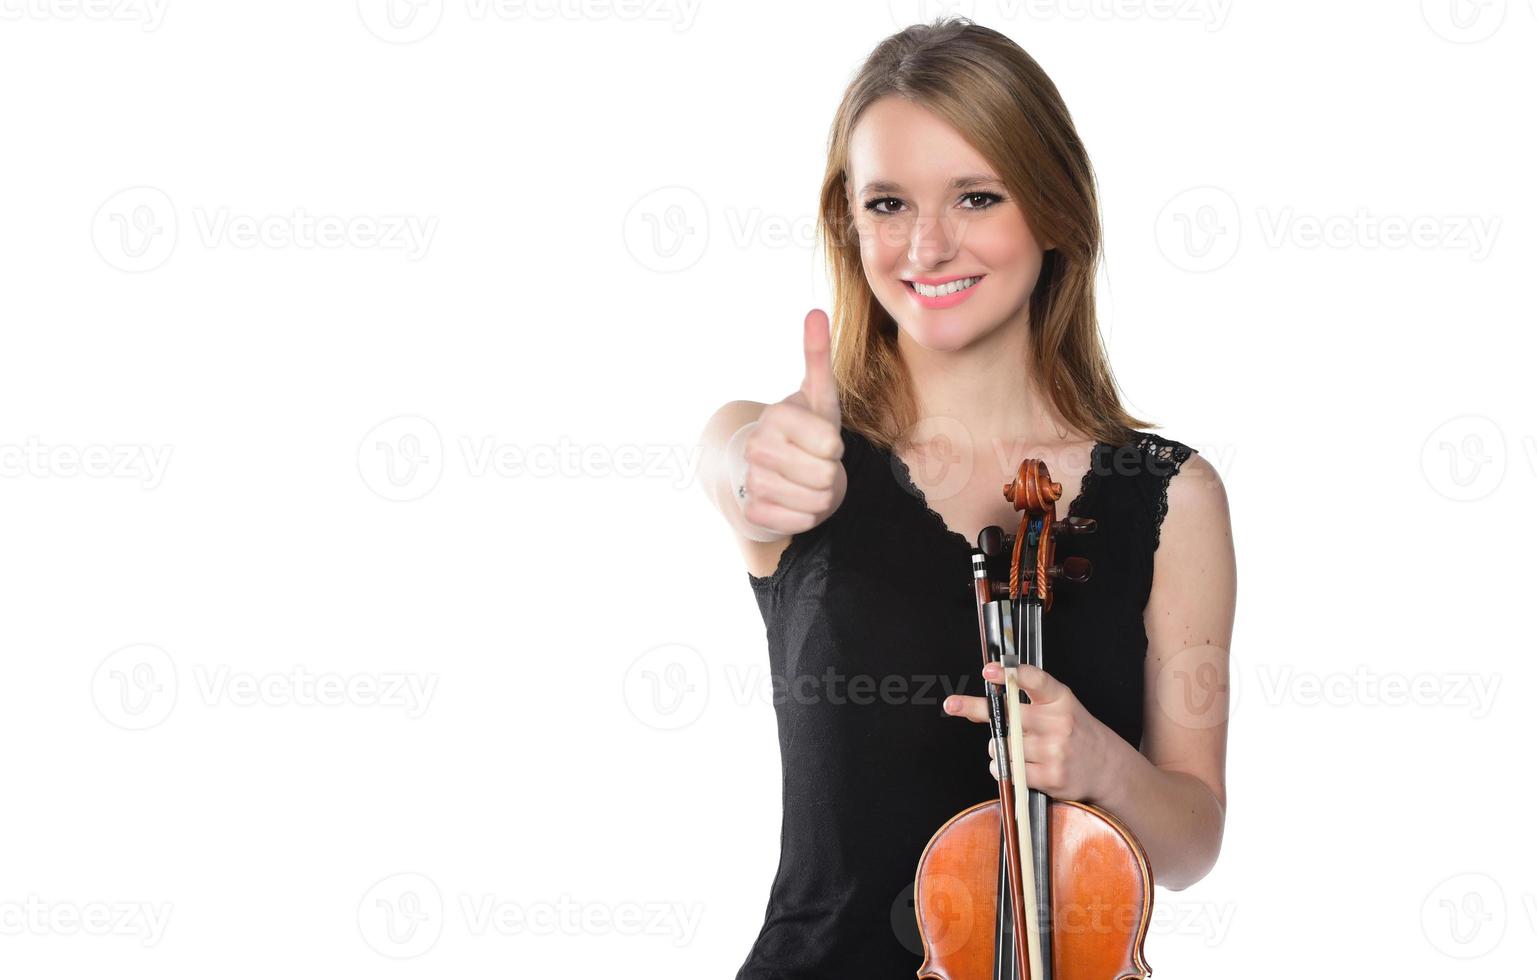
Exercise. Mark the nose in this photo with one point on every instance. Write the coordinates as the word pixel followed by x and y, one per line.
pixel 932 243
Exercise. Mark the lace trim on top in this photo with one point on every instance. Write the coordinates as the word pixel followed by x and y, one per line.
pixel 1171 455
pixel 905 479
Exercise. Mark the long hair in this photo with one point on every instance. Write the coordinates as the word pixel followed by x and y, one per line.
pixel 993 93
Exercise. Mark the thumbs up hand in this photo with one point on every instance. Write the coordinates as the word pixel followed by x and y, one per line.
pixel 794 478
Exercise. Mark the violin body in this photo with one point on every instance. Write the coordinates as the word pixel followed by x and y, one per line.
pixel 1102 896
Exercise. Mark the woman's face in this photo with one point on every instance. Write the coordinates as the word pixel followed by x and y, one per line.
pixel 916 224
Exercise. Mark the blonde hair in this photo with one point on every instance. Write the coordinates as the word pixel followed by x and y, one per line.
pixel 991 91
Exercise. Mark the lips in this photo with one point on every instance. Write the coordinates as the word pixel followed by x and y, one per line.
pixel 940 282
pixel 946 301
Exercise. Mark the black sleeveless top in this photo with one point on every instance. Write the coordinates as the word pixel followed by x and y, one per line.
pixel 871 622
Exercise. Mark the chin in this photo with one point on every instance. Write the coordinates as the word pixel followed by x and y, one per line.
pixel 944 335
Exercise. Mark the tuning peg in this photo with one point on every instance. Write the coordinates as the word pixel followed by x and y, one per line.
pixel 1075 525
pixel 1073 568
pixel 993 541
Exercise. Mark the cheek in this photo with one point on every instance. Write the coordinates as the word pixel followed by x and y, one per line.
pixel 1004 246
pixel 882 247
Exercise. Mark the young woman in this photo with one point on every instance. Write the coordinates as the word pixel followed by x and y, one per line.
pixel 960 217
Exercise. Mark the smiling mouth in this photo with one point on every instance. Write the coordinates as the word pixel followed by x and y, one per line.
pixel 943 289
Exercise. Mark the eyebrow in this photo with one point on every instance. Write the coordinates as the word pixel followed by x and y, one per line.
pixel 959 183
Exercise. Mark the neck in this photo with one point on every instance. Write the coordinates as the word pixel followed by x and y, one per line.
pixel 991 386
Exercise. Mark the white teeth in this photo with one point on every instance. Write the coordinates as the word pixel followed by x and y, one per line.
pixel 947 288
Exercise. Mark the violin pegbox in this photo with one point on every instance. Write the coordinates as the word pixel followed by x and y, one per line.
pixel 1034 568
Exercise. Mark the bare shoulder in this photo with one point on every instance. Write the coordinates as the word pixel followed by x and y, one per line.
pixel 1195 543
pixel 761 557
pixel 1197 497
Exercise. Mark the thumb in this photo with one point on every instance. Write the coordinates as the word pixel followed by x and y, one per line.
pixel 820 389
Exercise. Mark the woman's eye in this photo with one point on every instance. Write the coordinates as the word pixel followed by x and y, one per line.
pixel 989 200
pixel 870 205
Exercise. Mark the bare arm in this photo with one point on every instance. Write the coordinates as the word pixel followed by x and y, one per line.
pixel 1173 793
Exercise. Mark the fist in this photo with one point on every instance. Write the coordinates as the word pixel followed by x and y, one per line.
pixel 791 478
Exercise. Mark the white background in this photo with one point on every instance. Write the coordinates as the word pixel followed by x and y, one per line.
pixel 351 376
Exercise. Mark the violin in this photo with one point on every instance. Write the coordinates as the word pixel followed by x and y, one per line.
pixel 1026 887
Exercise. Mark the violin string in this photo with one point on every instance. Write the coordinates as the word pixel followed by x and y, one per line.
pixel 1003 953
